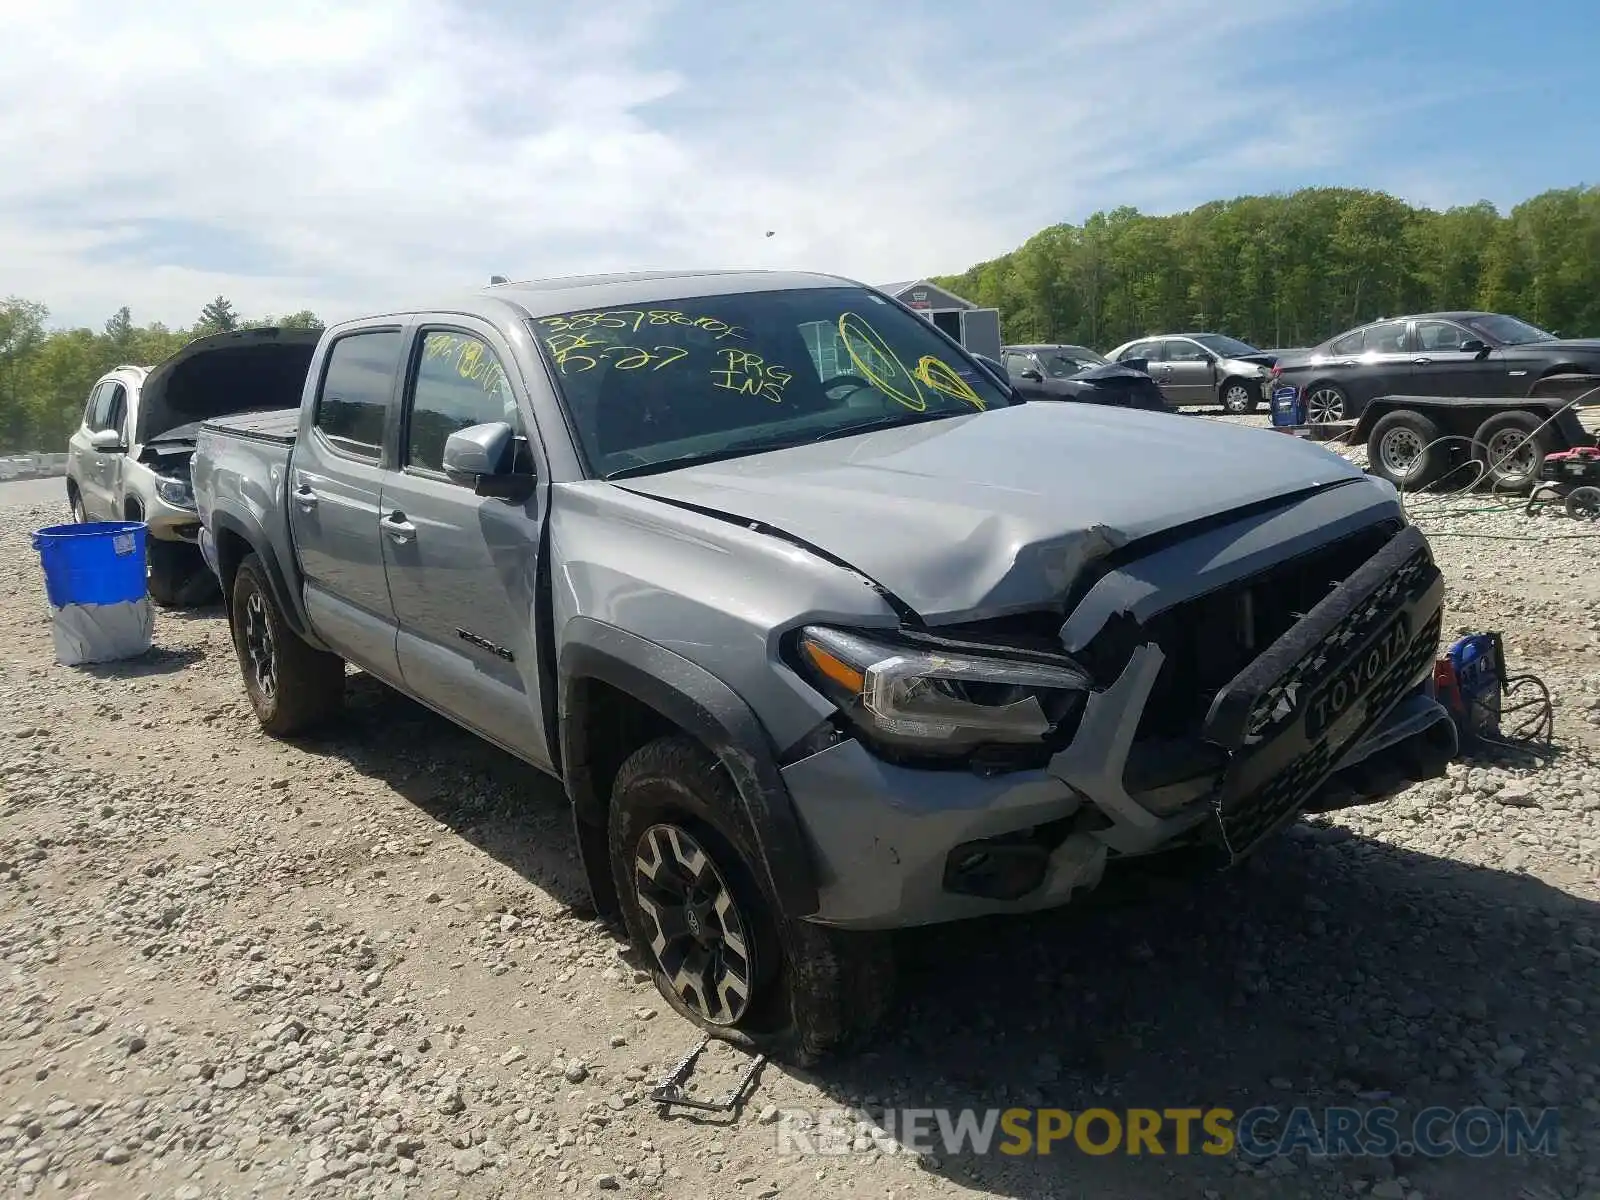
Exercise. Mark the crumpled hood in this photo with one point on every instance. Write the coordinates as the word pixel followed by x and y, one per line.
pixel 998 512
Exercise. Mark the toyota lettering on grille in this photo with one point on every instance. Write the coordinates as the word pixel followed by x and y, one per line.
pixel 1353 680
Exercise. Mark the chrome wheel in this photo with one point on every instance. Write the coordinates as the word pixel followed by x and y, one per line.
pixel 1513 456
pixel 1237 399
pixel 1323 405
pixel 696 932
pixel 260 647
pixel 1400 452
pixel 75 503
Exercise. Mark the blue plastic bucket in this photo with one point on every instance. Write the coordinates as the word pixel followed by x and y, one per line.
pixel 98 562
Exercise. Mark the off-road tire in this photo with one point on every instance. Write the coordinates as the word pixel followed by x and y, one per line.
pixel 1238 397
pixel 307 684
pixel 815 991
pixel 179 576
pixel 1505 475
pixel 1417 430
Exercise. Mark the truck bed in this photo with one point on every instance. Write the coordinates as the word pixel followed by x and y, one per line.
pixel 277 426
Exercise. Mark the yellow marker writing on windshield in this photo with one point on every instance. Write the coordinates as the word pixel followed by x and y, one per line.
pixel 888 374
pixel 941 377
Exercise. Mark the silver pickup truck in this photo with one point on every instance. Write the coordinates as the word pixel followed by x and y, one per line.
pixel 822 629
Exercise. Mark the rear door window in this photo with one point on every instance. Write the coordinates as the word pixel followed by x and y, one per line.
pixel 357 390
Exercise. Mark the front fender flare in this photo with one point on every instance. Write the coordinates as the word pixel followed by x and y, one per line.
pixel 704 707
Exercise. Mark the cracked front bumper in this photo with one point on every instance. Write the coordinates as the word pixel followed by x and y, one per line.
pixel 883 836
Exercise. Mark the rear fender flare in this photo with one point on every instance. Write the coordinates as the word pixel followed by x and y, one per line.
pixel 260 545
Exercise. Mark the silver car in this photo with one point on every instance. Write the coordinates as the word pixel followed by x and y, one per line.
pixel 1203 368
pixel 129 458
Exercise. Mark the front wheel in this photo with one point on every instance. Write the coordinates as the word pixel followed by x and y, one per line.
pixel 1239 397
pixel 292 685
pixel 722 952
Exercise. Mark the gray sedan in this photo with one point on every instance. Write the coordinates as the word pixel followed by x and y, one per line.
pixel 1202 368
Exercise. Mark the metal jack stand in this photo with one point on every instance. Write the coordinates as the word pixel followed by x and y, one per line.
pixel 669 1092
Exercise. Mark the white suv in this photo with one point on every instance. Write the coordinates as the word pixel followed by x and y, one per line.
pixel 129 459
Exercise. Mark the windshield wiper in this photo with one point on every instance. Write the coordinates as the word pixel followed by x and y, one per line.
pixel 883 423
pixel 732 450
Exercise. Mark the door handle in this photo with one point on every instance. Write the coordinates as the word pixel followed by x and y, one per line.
pixel 397 527
pixel 1420 362
pixel 305 498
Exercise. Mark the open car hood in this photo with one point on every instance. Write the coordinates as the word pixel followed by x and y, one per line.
pixel 997 512
pixel 244 371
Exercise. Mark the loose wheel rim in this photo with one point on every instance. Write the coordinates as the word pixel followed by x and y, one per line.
pixel 1237 398
pixel 1324 405
pixel 697 934
pixel 1513 454
pixel 259 645
pixel 1400 451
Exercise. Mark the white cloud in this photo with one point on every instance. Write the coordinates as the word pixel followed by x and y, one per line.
pixel 341 157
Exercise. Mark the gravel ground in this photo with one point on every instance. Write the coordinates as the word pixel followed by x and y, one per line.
pixel 358 965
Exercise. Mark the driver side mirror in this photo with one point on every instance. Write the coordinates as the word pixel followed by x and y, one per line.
pixel 1474 346
pixel 1136 364
pixel 1208 358
pixel 1033 375
pixel 484 458
pixel 106 441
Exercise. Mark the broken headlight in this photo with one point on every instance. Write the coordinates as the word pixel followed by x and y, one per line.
pixel 936 702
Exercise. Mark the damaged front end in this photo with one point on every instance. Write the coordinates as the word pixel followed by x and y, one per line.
pixel 1152 718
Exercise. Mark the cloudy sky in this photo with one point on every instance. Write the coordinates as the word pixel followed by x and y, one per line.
pixel 346 154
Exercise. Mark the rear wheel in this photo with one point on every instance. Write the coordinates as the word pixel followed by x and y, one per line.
pixel 1511 446
pixel 1404 448
pixel 722 952
pixel 1325 403
pixel 1239 397
pixel 292 685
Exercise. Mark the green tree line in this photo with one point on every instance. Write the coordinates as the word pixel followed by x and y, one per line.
pixel 46 374
pixel 1290 270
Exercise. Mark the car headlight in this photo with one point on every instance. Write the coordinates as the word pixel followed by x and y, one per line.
pixel 175 491
pixel 932 702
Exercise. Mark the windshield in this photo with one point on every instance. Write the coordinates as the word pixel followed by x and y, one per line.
pixel 1508 331
pixel 679 381
pixel 1227 347
pixel 1059 364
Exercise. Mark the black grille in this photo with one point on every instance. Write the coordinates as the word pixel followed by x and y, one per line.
pixel 1207 641
pixel 1366 642
pixel 1252 816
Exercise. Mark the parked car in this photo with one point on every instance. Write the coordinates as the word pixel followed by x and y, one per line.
pixel 823 632
pixel 1202 368
pixel 130 457
pixel 1049 372
pixel 1463 354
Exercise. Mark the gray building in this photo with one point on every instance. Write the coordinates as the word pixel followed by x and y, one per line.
pixel 978 329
